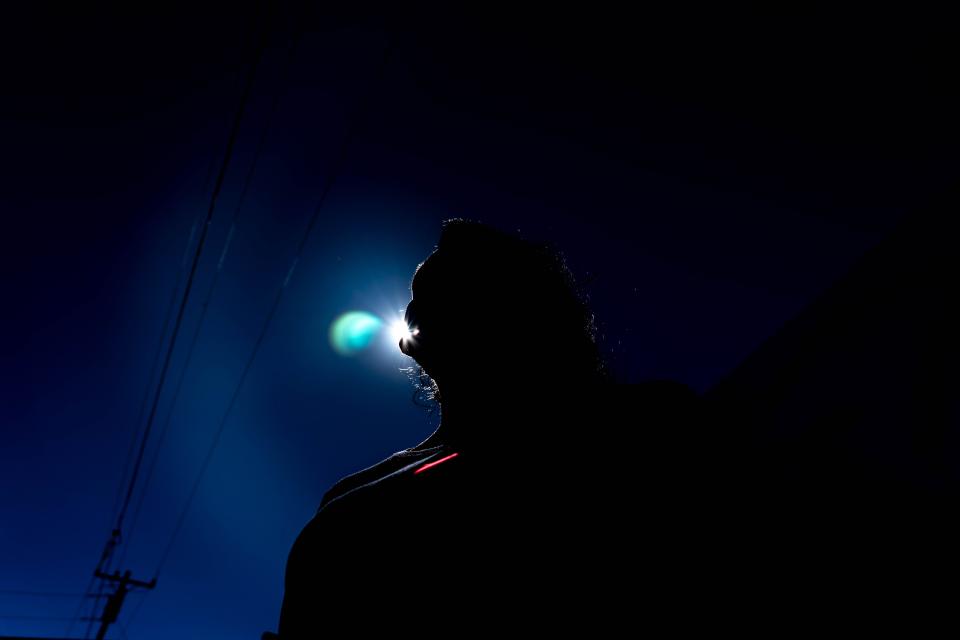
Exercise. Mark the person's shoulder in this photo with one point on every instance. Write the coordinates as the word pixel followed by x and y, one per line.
pixel 386 467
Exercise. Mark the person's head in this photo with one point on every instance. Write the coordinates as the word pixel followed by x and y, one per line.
pixel 490 305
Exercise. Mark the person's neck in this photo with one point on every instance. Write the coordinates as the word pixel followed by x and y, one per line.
pixel 461 418
pixel 489 419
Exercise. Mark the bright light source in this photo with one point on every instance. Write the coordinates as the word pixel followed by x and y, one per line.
pixel 400 331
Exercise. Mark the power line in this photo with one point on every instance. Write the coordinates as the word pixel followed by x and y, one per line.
pixel 125 585
pixel 336 169
pixel 104 559
pixel 234 133
pixel 338 166
pixel 133 614
pixel 93 612
pixel 168 315
pixel 248 180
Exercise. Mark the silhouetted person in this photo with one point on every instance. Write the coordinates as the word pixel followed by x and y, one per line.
pixel 517 506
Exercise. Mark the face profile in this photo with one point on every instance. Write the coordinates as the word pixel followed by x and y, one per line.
pixel 432 338
pixel 489 302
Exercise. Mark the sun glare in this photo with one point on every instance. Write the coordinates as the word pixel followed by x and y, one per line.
pixel 400 331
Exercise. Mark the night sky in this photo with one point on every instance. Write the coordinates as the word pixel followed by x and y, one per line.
pixel 708 176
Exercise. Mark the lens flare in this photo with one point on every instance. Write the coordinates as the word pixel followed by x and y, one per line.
pixel 354 331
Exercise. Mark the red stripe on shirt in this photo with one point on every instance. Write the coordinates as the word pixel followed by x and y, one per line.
pixel 436 462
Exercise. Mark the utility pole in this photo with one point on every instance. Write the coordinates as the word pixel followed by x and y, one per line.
pixel 111 610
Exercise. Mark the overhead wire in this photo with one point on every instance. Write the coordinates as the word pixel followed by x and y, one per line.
pixel 208 298
pixel 107 554
pixel 234 133
pixel 238 118
pixel 333 174
pixel 168 315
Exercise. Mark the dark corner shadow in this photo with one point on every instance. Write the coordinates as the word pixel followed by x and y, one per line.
pixel 552 497
pixel 851 408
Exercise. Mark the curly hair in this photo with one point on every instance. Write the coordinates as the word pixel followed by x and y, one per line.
pixel 550 328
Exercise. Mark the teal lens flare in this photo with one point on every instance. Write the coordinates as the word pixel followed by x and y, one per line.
pixel 353 331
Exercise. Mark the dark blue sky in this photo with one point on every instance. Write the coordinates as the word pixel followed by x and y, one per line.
pixel 708 182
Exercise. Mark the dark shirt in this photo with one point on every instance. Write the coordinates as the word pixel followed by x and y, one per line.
pixel 500 537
